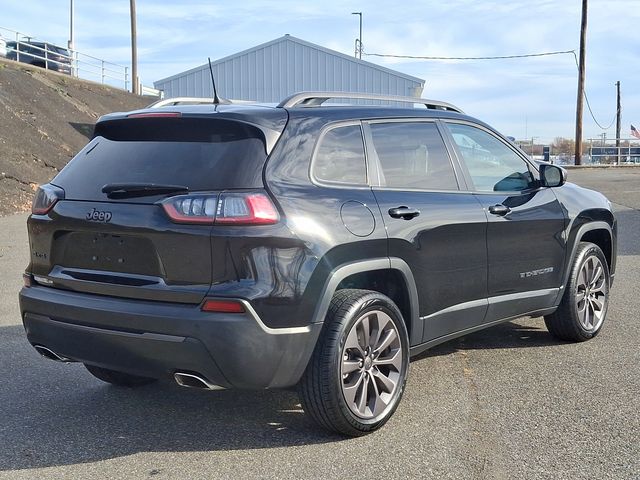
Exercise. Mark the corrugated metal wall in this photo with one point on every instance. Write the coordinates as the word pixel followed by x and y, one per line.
pixel 274 70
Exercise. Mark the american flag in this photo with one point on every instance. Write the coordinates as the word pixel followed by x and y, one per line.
pixel 635 132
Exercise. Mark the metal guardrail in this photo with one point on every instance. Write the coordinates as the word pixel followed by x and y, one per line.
pixel 80 65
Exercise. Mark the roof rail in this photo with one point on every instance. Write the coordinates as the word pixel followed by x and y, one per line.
pixel 313 99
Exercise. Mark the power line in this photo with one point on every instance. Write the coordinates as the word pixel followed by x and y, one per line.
pixel 500 57
pixel 586 99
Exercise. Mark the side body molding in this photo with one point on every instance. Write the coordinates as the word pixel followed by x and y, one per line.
pixel 345 270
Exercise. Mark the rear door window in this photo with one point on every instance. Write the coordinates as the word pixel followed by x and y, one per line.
pixel 412 155
pixel 339 157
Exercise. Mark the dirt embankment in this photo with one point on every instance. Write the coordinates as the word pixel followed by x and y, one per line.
pixel 45 119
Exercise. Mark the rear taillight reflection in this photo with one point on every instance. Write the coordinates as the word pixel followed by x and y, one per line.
pixel 245 208
pixel 46 197
pixel 155 115
pixel 222 306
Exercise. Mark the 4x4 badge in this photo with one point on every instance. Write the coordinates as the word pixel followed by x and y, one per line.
pixel 98 216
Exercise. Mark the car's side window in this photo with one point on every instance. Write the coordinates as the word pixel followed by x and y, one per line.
pixel 493 166
pixel 340 156
pixel 413 155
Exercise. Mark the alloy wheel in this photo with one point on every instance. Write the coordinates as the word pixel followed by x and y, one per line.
pixel 591 294
pixel 371 366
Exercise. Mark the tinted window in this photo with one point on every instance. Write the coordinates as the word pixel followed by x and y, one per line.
pixel 340 156
pixel 413 155
pixel 493 166
pixel 35 48
pixel 56 49
pixel 198 154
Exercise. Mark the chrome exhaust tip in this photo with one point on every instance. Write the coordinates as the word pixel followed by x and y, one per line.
pixel 50 354
pixel 194 380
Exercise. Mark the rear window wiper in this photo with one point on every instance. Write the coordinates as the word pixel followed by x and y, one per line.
pixel 127 190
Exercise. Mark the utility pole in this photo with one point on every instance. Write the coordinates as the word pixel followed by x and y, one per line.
pixel 581 74
pixel 618 122
pixel 359 39
pixel 71 44
pixel 134 50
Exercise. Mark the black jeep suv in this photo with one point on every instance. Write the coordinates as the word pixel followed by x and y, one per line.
pixel 308 245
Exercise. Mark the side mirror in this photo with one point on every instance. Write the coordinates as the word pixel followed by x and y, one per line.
pixel 552 175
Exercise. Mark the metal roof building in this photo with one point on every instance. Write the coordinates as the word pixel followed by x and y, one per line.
pixel 271 71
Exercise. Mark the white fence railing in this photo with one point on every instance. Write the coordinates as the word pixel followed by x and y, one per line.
pixel 598 151
pixel 603 151
pixel 27 49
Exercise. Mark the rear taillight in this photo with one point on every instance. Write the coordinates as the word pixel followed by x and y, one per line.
pixel 245 208
pixel 46 197
pixel 191 208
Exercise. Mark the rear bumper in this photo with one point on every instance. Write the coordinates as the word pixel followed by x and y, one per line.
pixel 157 339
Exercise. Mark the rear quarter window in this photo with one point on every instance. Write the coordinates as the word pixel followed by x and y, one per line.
pixel 339 157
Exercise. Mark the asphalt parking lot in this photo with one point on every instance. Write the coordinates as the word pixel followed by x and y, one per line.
pixel 508 402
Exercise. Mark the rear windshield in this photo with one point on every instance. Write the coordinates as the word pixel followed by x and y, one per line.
pixel 196 153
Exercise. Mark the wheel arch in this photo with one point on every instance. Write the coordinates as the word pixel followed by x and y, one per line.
pixel 603 239
pixel 387 272
pixel 599 233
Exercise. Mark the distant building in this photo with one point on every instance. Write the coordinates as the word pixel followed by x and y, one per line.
pixel 271 71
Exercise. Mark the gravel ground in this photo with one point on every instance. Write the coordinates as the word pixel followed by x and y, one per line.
pixel 508 402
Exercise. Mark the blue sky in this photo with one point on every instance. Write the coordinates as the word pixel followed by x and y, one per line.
pixel 520 97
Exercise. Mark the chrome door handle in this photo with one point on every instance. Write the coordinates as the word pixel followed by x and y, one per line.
pixel 499 209
pixel 406 213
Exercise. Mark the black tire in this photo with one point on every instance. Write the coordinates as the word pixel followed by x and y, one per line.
pixel 323 383
pixel 568 321
pixel 120 379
